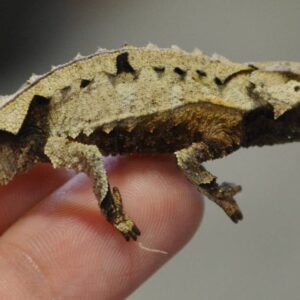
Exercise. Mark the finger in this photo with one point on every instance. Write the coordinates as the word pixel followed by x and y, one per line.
pixel 65 247
pixel 26 190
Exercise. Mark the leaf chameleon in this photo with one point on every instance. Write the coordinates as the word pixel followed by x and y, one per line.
pixel 148 100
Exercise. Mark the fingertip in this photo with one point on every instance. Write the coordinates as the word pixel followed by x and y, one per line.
pixel 66 232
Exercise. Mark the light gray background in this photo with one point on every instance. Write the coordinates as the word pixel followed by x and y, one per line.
pixel 260 257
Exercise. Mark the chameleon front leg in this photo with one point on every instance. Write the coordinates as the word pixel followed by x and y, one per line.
pixel 112 208
pixel 189 161
pixel 88 159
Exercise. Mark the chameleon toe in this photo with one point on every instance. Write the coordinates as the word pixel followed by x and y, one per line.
pixel 127 227
pixel 237 216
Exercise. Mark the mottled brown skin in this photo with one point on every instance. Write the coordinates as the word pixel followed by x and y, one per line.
pixel 145 100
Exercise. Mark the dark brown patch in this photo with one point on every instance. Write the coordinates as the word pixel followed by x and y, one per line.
pixel 159 70
pixel 123 65
pixel 39 100
pixel 164 132
pixel 201 73
pixel 219 148
pixel 233 75
pixel 182 73
pixel 84 83
pixel 33 133
pixel 218 81
pixel 260 128
pixel 297 88
pixel 253 66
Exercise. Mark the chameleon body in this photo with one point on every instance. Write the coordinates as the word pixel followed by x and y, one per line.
pixel 148 100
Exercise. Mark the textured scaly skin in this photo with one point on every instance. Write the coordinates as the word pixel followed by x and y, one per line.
pixel 148 100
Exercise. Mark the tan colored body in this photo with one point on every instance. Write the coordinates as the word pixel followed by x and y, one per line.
pixel 141 100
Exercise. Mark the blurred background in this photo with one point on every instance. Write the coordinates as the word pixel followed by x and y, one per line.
pixel 260 257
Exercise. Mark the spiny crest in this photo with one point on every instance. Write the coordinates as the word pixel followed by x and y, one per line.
pixel 152 46
pixel 197 51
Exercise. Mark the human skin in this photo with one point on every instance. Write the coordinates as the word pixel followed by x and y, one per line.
pixel 55 243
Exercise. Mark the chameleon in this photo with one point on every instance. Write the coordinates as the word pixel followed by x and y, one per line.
pixel 148 100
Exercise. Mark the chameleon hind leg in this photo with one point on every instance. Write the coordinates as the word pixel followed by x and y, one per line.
pixel 189 161
pixel 88 159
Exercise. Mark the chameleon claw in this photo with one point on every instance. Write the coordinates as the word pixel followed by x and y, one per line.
pixel 136 230
pixel 134 233
pixel 225 193
pixel 237 216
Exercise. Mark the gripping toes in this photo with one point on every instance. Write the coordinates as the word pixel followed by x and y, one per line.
pixel 112 208
pixel 127 227
pixel 189 161
pixel 223 196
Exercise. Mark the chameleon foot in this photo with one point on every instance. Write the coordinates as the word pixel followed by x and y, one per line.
pixel 113 209
pixel 127 227
pixel 223 196
pixel 189 161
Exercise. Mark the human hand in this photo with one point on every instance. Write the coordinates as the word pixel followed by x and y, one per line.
pixel 55 243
